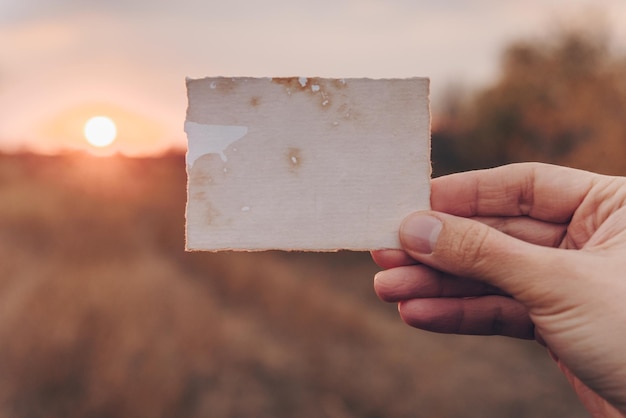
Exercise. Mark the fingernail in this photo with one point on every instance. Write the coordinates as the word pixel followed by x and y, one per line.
pixel 420 232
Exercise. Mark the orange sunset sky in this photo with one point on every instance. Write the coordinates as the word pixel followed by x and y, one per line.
pixel 64 61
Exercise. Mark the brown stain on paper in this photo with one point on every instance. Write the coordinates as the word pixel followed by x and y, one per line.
pixel 291 83
pixel 320 92
pixel 294 159
pixel 198 196
pixel 255 101
pixel 211 213
pixel 224 85
pixel 339 84
pixel 200 178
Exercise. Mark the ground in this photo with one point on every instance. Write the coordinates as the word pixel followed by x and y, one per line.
pixel 103 314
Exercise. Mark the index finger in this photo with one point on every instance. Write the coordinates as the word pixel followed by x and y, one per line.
pixel 391 258
pixel 542 191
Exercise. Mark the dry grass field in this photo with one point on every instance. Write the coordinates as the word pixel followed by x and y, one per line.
pixel 102 314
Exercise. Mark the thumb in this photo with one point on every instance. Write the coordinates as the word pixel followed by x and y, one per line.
pixel 470 249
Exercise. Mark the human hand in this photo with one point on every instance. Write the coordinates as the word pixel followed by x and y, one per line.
pixel 542 255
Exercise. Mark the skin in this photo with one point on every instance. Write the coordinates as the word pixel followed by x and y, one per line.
pixel 530 251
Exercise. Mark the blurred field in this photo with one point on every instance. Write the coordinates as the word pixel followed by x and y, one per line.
pixel 102 314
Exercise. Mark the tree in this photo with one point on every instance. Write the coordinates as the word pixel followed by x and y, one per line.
pixel 562 101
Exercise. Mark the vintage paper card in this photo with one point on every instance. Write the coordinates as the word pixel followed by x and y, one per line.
pixel 306 164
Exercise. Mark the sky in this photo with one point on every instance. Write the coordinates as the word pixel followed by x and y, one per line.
pixel 64 61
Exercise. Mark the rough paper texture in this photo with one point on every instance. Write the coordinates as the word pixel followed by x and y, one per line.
pixel 305 163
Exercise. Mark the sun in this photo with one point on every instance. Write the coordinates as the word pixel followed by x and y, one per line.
pixel 100 131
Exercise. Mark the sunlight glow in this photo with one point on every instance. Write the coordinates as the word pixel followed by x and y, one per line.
pixel 100 131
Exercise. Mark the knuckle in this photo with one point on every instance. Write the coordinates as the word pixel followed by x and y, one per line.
pixel 470 247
